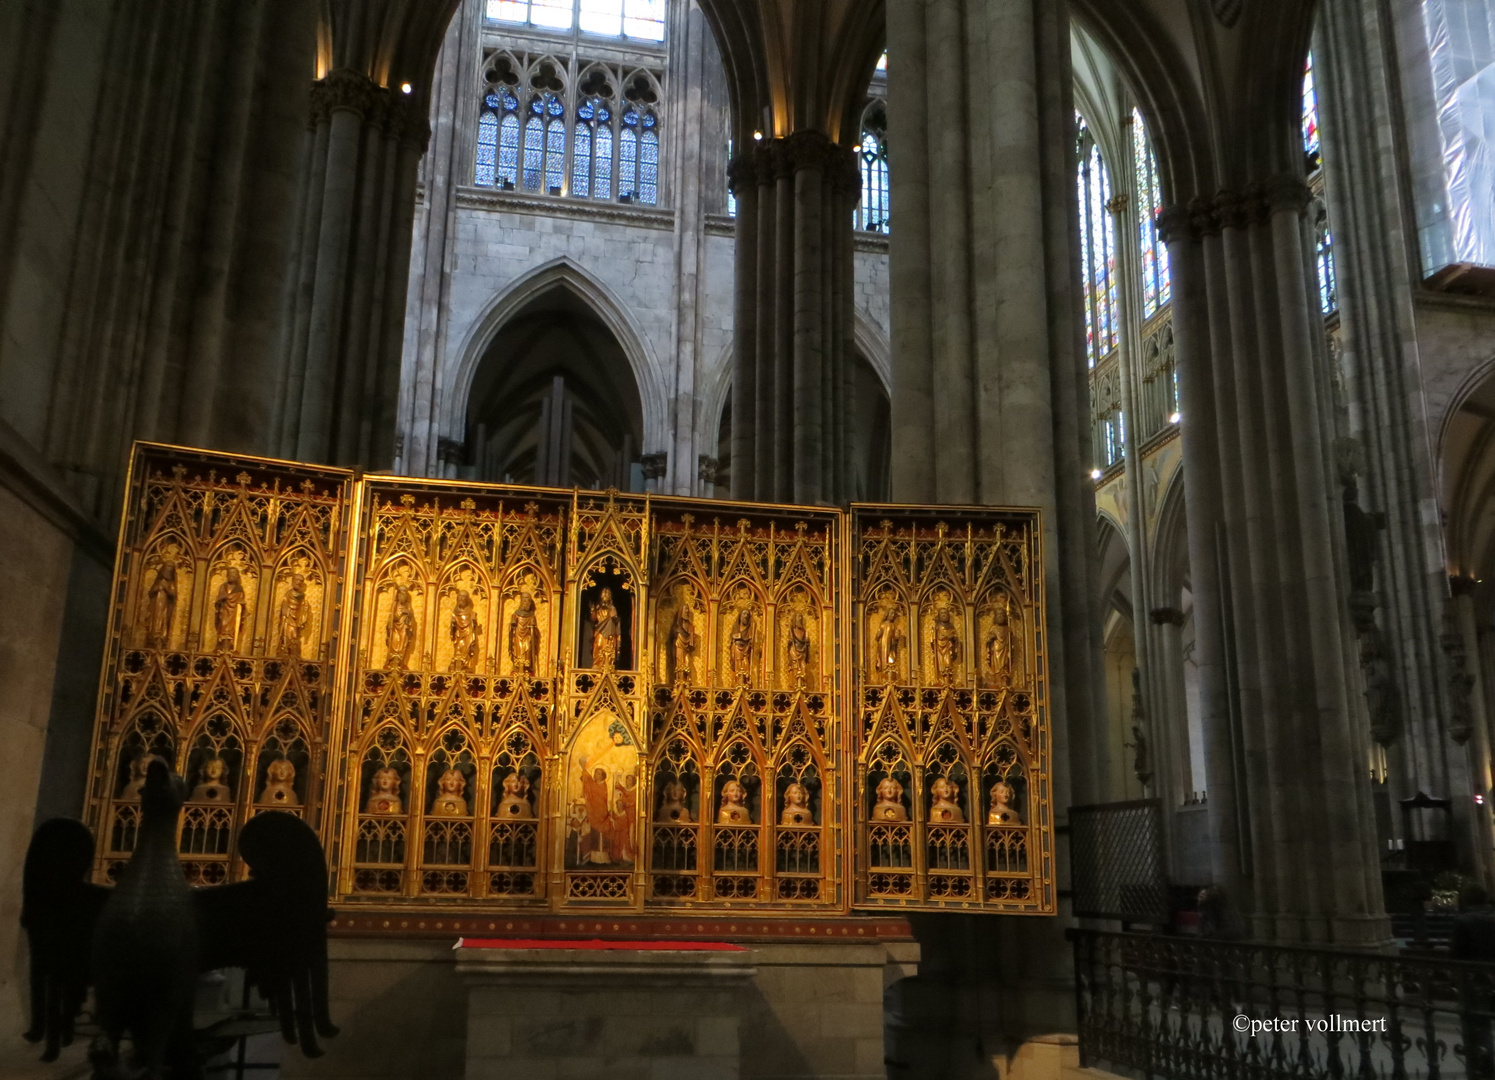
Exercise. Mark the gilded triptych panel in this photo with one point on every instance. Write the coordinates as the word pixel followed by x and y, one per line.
pixel 491 697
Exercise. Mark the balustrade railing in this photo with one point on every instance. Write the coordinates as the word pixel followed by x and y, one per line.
pixel 1190 1009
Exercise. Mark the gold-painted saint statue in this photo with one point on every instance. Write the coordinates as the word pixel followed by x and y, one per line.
pixel 944 809
pixel 798 652
pixel 524 636
pixel 465 630
pixel 887 642
pixel 797 806
pixel 1001 812
pixel 515 801
pixel 740 642
pixel 280 784
pixel 160 603
pixel 213 787
pixel 889 805
pixel 734 810
pixel 450 798
pixel 946 644
pixel 1002 645
pixel 672 808
pixel 384 793
pixel 683 637
pixel 292 618
pixel 401 631
pixel 228 609
pixel 607 632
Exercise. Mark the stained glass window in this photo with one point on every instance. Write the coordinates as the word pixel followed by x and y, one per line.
pixel 882 62
pixel 628 155
pixel 872 156
pixel 731 198
pixel 1310 116
pixel 581 151
pixel 642 19
pixel 1157 285
pixel 555 146
pixel 487 156
pixel 602 153
pixel 1097 247
pixel 534 145
pixel 648 163
pixel 1323 257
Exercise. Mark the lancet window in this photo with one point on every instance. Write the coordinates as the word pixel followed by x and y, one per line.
pixel 1097 246
pixel 1157 285
pixel 544 132
pixel 1323 240
pixel 872 159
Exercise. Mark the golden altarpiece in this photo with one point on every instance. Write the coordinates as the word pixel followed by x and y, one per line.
pixel 489 698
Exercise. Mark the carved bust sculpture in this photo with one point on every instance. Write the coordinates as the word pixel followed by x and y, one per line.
pixel 734 809
pixel 280 781
pixel 384 793
pixel 672 808
pixel 1001 812
pixel 797 806
pixel 944 809
pixel 138 768
pixel 450 802
pixel 889 801
pixel 515 800
pixel 213 787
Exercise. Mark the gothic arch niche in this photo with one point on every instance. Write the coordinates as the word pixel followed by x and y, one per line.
pixel 554 400
pixel 1119 651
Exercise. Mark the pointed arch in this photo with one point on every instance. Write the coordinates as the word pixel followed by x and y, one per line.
pixel 613 314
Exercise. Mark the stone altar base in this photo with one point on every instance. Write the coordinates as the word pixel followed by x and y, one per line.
pixel 624 1014
pixel 811 1008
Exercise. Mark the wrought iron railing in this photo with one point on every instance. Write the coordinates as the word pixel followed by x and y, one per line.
pixel 1187 1009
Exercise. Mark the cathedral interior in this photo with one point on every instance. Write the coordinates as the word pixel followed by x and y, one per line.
pixel 512 437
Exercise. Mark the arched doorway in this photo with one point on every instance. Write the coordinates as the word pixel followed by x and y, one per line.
pixel 554 401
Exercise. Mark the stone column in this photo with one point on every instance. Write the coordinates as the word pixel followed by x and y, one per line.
pixel 794 287
pixel 1287 743
pixel 990 394
pixel 340 387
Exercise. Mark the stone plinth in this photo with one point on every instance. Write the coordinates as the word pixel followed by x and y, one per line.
pixel 646 1014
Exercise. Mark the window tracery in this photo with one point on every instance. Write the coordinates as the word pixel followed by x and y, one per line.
pixel 872 159
pixel 1157 284
pixel 1097 245
pixel 544 131
pixel 1323 237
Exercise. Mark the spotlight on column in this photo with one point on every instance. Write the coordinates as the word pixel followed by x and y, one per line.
pixel 1175 418
pixel 405 88
pixel 757 136
pixel 1095 474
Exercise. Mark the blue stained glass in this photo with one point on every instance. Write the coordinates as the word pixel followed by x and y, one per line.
pixel 508 150
pixel 604 114
pixel 534 154
pixel 602 158
pixel 581 159
pixel 1098 248
pixel 555 157
pixel 649 164
pixel 554 106
pixel 510 102
pixel 649 120
pixel 584 110
pixel 874 163
pixel 487 149
pixel 491 101
pixel 1324 259
pixel 628 156
pixel 1311 145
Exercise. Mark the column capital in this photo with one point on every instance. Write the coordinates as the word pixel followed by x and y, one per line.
pixel 343 90
pixel 654 465
pixel 410 122
pixel 1166 616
